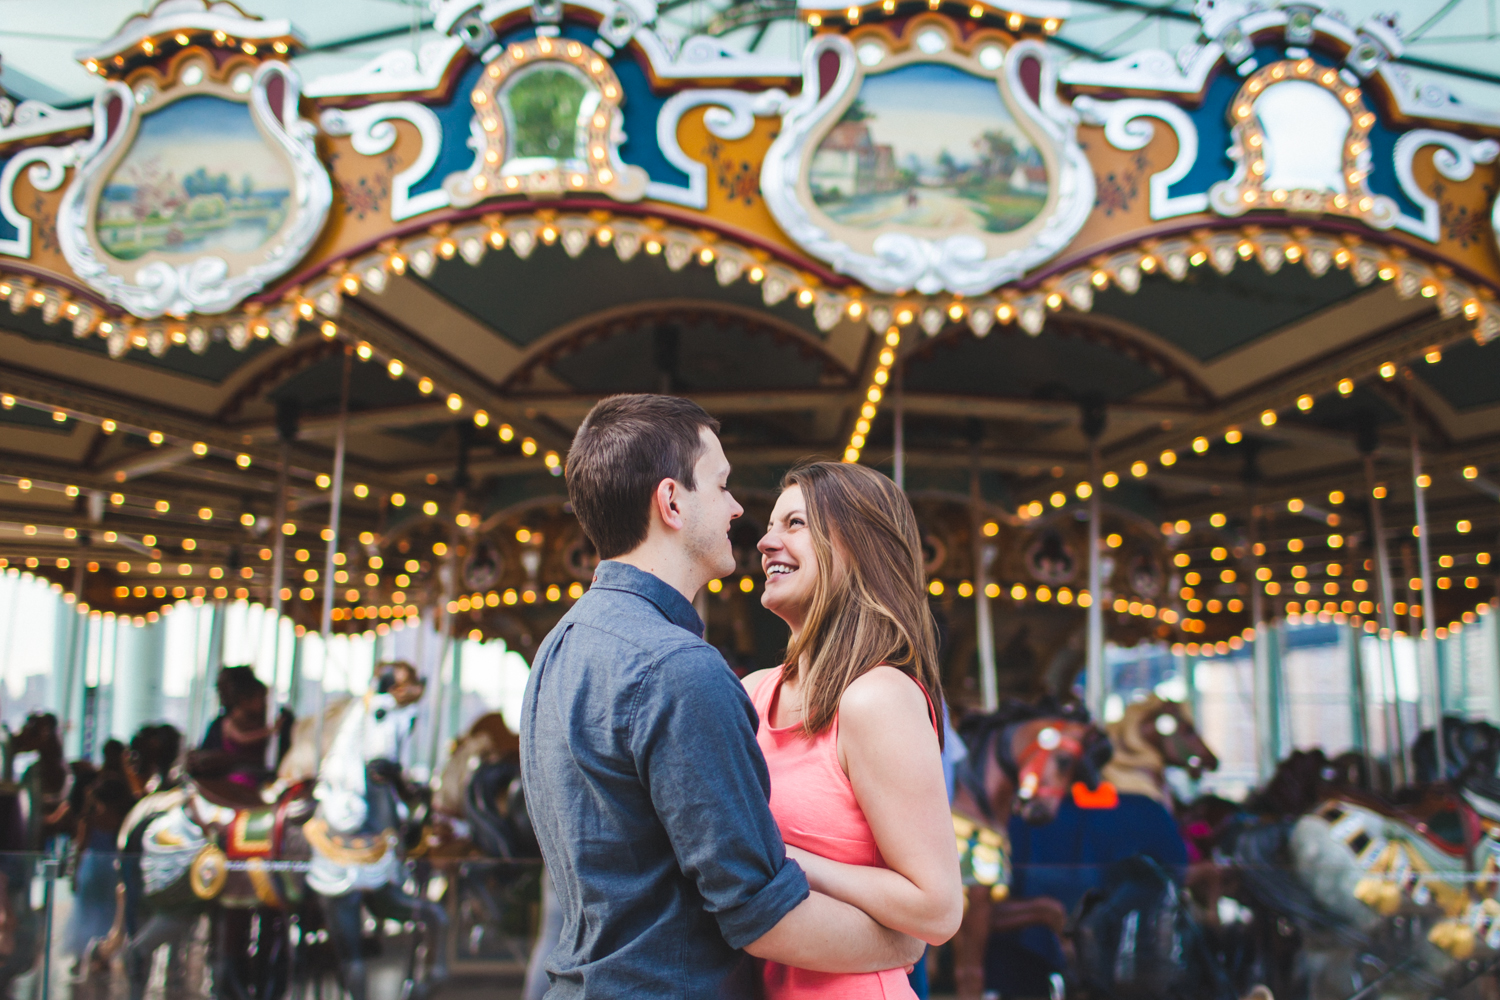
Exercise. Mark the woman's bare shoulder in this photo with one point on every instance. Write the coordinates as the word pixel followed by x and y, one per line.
pixel 880 692
pixel 752 680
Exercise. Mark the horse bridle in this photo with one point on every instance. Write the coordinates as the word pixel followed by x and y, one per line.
pixel 1035 757
pixel 1024 773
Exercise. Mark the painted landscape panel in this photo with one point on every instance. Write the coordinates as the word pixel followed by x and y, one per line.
pixel 931 146
pixel 199 179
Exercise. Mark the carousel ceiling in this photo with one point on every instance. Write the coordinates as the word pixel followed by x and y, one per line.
pixel 1252 355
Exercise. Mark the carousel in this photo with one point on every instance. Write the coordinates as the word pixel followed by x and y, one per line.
pixel 1176 353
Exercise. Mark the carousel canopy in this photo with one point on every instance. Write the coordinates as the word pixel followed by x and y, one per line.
pixel 1228 267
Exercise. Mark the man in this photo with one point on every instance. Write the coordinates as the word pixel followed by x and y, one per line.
pixel 643 778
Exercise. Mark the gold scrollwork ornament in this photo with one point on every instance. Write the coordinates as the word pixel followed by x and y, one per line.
pixel 208 872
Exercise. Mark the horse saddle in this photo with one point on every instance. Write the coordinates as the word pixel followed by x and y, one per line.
pixel 1401 862
pixel 983 856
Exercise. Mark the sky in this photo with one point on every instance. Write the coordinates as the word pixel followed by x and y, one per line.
pixel 928 108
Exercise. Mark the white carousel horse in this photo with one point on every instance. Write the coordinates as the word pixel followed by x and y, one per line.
pixel 348 830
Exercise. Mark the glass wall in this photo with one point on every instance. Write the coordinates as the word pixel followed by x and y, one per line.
pixel 107 675
pixel 1321 668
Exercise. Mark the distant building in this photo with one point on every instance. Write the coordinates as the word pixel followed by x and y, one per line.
pixel 849 162
pixel 1029 178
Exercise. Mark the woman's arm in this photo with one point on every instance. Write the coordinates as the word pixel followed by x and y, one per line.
pixel 889 750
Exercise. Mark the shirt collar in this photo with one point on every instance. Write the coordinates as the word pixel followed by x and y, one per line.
pixel 612 575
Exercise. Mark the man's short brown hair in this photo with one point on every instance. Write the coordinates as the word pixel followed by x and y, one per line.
pixel 623 449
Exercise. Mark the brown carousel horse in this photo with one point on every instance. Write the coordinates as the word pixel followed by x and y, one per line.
pixel 1150 737
pixel 479 835
pixel 470 796
pixel 1022 759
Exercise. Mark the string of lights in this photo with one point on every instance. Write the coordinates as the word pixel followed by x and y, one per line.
pixel 1016 22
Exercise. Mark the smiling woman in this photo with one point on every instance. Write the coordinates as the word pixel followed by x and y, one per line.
pixel 853 746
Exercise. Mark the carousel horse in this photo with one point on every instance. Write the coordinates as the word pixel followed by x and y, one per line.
pixel 470 804
pixel 1151 736
pixel 1136 939
pixel 354 833
pixel 202 855
pixel 1026 754
pixel 1354 879
pixel 479 822
pixel 182 842
pixel 1105 853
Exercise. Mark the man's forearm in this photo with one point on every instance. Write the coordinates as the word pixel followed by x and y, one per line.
pixel 825 935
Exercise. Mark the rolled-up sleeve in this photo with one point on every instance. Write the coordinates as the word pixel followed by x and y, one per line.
pixel 692 735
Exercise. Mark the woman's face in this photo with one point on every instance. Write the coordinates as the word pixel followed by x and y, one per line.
pixel 251 712
pixel 787 557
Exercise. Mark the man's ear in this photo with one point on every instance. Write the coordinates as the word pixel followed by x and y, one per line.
pixel 665 504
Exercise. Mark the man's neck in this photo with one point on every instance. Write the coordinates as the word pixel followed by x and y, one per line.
pixel 668 564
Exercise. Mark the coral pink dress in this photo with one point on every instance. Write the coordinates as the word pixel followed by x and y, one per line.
pixel 814 805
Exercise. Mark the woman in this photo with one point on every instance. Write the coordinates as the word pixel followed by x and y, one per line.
pixel 850 723
pixel 232 756
pixel 106 803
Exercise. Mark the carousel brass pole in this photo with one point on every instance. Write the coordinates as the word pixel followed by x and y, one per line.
pixel 1430 697
pixel 447 624
pixel 1267 738
pixel 898 418
pixel 71 669
pixel 1395 739
pixel 335 508
pixel 286 431
pixel 989 683
pixel 1361 699
pixel 1095 683
pixel 1264 666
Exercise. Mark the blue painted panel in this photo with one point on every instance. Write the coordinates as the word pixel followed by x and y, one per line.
pixel 639 111
pixel 1211 118
pixel 454 115
pixel 7 231
pixel 1383 167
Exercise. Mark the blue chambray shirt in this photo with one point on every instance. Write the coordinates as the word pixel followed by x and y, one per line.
pixel 650 799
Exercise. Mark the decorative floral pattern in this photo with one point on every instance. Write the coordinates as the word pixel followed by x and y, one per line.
pixel 368 195
pixel 1116 191
pixel 44 226
pixel 738 180
pixel 1461 225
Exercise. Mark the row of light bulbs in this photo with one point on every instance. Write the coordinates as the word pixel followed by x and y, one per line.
pixel 397 368
pixel 1013 20
pixel 1324 613
pixel 1173 257
pixel 531 594
pixel 162 44
pixel 390 618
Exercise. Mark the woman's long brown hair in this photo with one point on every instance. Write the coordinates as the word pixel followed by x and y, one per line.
pixel 869 605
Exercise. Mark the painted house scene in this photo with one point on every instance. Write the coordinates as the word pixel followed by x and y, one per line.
pixel 199 178
pixel 929 146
